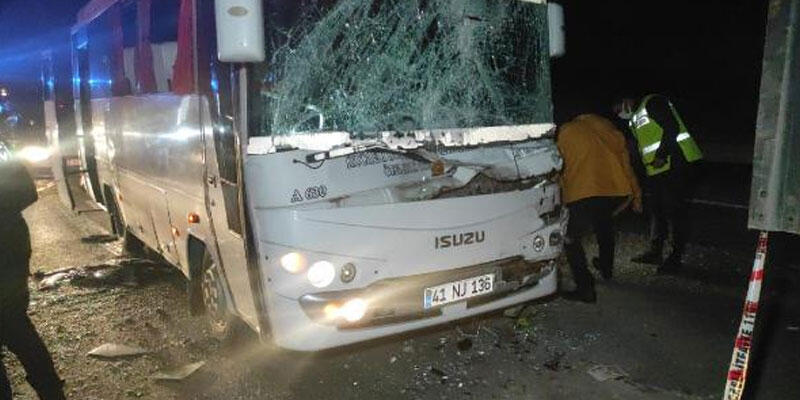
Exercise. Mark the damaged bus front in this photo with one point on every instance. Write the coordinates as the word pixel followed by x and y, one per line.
pixel 326 171
pixel 402 169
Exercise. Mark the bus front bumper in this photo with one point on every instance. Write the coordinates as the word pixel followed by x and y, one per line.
pixel 396 305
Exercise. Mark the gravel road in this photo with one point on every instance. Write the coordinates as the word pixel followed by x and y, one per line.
pixel 649 336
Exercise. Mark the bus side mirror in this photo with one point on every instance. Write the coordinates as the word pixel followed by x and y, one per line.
pixel 240 30
pixel 555 22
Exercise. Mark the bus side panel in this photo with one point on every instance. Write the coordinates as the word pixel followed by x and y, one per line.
pixel 158 154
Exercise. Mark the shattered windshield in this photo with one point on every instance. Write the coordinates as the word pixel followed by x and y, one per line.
pixel 382 65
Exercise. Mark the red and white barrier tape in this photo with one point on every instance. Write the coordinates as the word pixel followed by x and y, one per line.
pixel 737 373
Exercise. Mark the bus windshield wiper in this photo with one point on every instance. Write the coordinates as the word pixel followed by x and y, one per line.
pixel 348 150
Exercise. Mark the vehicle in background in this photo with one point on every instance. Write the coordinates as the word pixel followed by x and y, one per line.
pixel 20 138
pixel 306 197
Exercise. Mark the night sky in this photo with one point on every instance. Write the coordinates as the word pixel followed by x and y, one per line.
pixel 706 55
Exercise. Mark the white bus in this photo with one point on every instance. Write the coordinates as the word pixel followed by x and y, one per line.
pixel 327 171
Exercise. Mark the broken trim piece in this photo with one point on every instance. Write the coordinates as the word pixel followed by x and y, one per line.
pixel 327 141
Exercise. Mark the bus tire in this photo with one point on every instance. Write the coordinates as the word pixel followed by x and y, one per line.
pixel 223 325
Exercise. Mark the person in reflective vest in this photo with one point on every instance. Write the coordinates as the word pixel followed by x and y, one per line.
pixel 669 154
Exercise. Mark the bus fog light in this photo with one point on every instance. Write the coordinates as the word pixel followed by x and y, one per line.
pixel 293 262
pixel 538 244
pixel 555 239
pixel 321 274
pixel 331 311
pixel 348 273
pixel 353 310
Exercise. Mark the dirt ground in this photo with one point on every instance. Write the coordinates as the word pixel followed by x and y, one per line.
pixel 660 337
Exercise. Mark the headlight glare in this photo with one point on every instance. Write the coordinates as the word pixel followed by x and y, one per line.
pixel 321 274
pixel 353 310
pixel 293 262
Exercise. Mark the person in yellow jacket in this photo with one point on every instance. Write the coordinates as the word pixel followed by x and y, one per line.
pixel 597 182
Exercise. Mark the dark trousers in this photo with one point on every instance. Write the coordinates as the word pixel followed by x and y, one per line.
pixel 18 335
pixel 671 191
pixel 586 215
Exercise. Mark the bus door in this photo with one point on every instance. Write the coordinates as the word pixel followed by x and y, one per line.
pixel 59 121
pixel 51 128
pixel 223 191
pixel 90 179
pixel 219 110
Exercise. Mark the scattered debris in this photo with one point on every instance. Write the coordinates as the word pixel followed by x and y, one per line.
pixel 441 374
pixel 393 360
pixel 513 312
pixel 53 280
pixel 180 373
pixel 162 314
pixel 524 324
pixel 99 239
pixel 464 344
pixel 112 351
pixel 130 272
pixel 408 349
pixel 602 373
pixel 470 328
pixel 554 363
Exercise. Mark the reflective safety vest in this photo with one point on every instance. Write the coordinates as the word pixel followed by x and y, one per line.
pixel 648 134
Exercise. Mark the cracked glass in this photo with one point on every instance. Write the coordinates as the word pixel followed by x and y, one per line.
pixel 369 66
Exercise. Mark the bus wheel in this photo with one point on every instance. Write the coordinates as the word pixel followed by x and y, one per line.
pixel 220 319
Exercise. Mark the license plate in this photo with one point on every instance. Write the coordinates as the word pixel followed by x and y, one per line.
pixel 458 290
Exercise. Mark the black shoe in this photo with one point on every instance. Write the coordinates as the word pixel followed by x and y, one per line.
pixel 671 265
pixel 652 256
pixel 606 273
pixel 585 296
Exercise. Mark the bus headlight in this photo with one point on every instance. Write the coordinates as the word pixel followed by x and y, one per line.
pixel 293 262
pixel 321 274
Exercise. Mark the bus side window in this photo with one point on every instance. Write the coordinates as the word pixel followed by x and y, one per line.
pixel 129 41
pixel 164 40
pixel 99 68
pixel 163 57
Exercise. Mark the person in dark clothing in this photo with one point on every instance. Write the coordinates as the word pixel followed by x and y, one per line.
pixel 669 155
pixel 17 333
